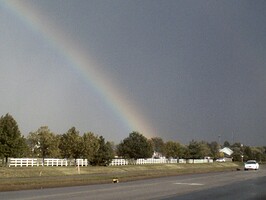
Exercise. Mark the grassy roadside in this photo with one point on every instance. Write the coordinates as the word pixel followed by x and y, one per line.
pixel 21 178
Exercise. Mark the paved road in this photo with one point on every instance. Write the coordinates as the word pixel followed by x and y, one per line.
pixel 253 189
pixel 226 185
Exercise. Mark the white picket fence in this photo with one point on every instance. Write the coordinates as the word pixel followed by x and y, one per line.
pixel 30 162
pixel 158 161
pixel 199 161
pixel 118 161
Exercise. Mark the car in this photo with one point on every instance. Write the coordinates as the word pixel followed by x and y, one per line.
pixel 220 160
pixel 251 164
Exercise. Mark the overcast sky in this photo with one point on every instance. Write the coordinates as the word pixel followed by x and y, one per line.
pixel 191 69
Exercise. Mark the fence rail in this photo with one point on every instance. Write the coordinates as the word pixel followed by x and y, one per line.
pixel 31 162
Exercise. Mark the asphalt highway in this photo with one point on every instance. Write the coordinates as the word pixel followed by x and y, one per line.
pixel 219 186
pixel 253 189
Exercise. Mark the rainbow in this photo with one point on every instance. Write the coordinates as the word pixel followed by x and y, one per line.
pixel 82 63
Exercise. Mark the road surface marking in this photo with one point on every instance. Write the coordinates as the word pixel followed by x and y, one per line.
pixel 192 184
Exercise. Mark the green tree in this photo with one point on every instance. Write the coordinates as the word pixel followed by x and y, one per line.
pixel 198 150
pixel 71 144
pixel 90 145
pixel 12 143
pixel 214 148
pixel 238 152
pixel 184 152
pixel 104 154
pixel 248 153
pixel 43 143
pixel 194 149
pixel 157 145
pixel 258 153
pixel 226 144
pixel 263 153
pixel 33 143
pixel 172 149
pixel 135 146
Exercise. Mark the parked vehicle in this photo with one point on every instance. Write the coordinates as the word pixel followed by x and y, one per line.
pixel 251 164
pixel 220 160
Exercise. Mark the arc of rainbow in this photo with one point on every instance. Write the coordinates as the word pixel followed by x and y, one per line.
pixel 82 63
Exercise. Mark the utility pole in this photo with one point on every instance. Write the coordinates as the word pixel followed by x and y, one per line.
pixel 219 140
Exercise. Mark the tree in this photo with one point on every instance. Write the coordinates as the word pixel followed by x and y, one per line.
pixel 43 143
pixel 70 144
pixel 104 154
pixel 258 153
pixel 135 146
pixel 247 153
pixel 226 144
pixel 90 145
pixel 198 150
pixel 12 143
pixel 238 152
pixel 172 149
pixel 214 148
pixel 263 153
pixel 157 145
pixel 194 149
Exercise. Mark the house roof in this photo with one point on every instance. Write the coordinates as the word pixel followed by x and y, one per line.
pixel 227 151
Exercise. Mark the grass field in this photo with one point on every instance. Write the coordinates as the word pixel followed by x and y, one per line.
pixel 20 178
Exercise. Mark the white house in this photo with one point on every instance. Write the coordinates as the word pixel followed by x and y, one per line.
pixel 227 151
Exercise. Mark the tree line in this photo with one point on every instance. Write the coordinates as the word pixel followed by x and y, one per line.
pixel 71 145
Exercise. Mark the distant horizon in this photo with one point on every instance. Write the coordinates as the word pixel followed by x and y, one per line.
pixel 117 142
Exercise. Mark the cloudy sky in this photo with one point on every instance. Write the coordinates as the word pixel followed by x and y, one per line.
pixel 179 70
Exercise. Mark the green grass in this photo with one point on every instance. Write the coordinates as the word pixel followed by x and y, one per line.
pixel 20 178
